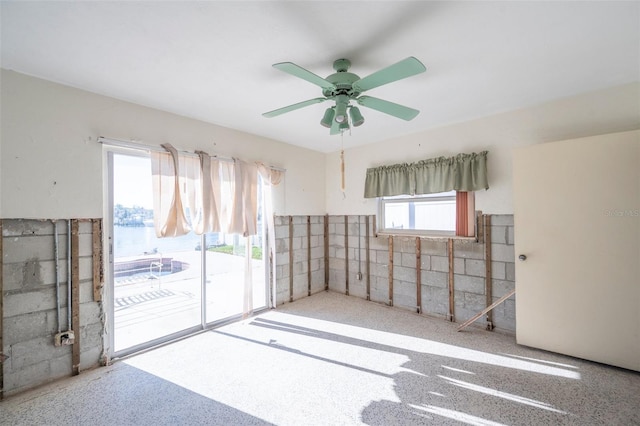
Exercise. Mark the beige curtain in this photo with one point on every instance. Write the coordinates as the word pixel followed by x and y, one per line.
pixel 270 178
pixel 168 207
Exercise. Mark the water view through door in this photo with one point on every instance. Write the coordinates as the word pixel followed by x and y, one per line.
pixel 158 288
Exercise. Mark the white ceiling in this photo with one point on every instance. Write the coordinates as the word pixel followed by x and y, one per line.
pixel 212 60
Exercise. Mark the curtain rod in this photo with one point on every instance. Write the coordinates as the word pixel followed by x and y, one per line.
pixel 144 147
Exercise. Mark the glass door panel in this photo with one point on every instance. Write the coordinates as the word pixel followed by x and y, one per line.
pixel 157 286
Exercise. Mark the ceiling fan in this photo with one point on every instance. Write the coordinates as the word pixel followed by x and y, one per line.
pixel 344 87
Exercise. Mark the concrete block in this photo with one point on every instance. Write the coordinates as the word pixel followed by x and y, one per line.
pixel 279 221
pixel 408 260
pixel 336 219
pixel 29 326
pixel 440 264
pixel 498 234
pixel 300 255
pixel 425 262
pixel 498 270
pixel 20 249
pixel 85 227
pixel 381 257
pixel 501 220
pixel 458 265
pixel 30 227
pixel 331 228
pixel 282 258
pixel 380 270
pixel 296 243
pixel 337 264
pixel 282 231
pixel 300 268
pixel 317 229
pixel 502 253
pixel 300 230
pixel 435 300
pixel 468 249
pixel 511 271
pixel 405 288
pixel 431 247
pixel 61 366
pixel 90 358
pixel 85 245
pixel 404 274
pixel 469 284
pixel 282 245
pixel 30 301
pixel 91 336
pixel 90 313
pixel 380 242
pixel 30 376
pixel 501 287
pixel 403 301
pixel 358 289
pixel 435 279
pixel 511 235
pixel 474 267
pixel 475 302
pixel 34 351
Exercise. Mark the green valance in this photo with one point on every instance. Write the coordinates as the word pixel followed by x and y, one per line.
pixel 463 172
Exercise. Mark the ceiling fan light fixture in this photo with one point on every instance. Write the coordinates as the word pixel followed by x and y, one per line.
pixel 328 117
pixel 356 118
pixel 341 113
pixel 344 126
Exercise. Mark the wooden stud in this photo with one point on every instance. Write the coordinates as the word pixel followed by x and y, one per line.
pixel 2 357
pixel 346 254
pixel 368 258
pixel 290 258
pixel 418 275
pixel 98 277
pixel 309 255
pixel 75 296
pixel 479 227
pixel 452 306
pixel 326 252
pixel 390 270
pixel 487 309
pixel 488 282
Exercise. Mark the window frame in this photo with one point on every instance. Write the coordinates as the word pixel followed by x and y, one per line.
pixel 426 233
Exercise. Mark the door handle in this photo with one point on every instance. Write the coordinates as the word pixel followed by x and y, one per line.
pixel 522 257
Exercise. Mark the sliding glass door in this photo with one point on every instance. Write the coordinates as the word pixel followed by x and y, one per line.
pixel 157 283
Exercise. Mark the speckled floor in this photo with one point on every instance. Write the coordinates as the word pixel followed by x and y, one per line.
pixel 331 359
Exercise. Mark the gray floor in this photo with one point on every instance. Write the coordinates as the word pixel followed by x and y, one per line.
pixel 336 360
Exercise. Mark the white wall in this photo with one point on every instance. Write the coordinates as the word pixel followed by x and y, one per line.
pixel 51 164
pixel 605 111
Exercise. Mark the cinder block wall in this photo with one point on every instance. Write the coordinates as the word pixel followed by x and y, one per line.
pixel 30 314
pixel 299 256
pixel 348 270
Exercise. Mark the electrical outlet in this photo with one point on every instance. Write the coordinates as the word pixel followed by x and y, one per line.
pixel 64 338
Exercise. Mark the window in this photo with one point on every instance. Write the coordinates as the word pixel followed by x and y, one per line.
pixel 441 214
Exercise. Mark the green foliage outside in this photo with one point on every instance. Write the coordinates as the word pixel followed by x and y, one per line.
pixel 256 252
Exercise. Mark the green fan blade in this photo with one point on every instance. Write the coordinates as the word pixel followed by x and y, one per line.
pixel 387 107
pixel 403 69
pixel 298 71
pixel 293 107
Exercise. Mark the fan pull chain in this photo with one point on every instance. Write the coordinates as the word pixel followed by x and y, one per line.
pixel 342 183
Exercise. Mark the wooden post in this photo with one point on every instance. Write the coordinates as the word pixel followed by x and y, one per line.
pixel 418 275
pixel 75 296
pixel 346 254
pixel 452 305
pixel 309 255
pixel 98 277
pixel 290 258
pixel 488 283
pixel 2 357
pixel 390 270
pixel 368 258
pixel 326 252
